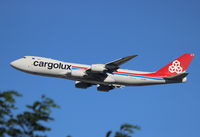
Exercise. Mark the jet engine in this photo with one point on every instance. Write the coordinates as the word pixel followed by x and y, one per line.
pixel 104 88
pixel 83 85
pixel 98 68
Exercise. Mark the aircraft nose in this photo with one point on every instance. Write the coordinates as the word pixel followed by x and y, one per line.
pixel 15 63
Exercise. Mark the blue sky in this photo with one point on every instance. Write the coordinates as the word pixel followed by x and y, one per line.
pixel 98 32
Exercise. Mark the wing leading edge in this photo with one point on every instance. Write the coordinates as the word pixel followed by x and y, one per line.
pixel 121 61
pixel 114 65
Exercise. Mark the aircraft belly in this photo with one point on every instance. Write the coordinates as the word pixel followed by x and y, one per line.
pixel 119 80
pixel 87 80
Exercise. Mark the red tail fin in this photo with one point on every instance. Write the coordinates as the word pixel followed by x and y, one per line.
pixel 179 65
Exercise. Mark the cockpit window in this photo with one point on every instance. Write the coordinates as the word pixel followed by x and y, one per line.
pixel 33 58
pixel 24 57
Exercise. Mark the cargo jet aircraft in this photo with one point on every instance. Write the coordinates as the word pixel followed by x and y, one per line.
pixel 106 76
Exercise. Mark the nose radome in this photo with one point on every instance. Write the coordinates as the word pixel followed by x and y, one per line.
pixel 15 63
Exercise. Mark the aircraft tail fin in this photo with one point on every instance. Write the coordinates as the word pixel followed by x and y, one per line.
pixel 177 67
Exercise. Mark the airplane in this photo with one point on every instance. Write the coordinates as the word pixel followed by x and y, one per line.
pixel 106 76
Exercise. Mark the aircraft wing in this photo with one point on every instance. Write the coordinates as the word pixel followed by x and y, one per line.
pixel 114 65
pixel 121 61
pixel 98 71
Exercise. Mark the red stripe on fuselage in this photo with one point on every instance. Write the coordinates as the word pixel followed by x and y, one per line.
pixel 148 74
pixel 80 67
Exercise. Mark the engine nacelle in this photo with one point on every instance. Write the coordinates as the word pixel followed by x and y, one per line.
pixel 83 85
pixel 98 68
pixel 104 88
pixel 78 73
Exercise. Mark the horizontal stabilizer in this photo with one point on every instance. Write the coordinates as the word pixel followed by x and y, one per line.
pixel 177 77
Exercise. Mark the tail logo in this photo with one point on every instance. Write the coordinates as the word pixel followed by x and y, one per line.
pixel 175 67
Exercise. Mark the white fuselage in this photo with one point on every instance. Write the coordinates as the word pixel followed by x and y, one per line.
pixel 54 68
